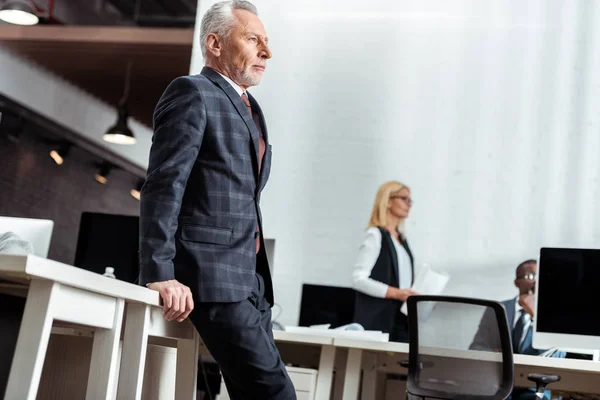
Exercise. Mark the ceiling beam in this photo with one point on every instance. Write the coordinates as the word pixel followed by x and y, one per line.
pixel 106 35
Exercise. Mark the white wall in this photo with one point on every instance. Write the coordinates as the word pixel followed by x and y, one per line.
pixel 68 105
pixel 488 110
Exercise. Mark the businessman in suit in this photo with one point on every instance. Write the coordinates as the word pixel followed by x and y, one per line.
pixel 520 313
pixel 201 245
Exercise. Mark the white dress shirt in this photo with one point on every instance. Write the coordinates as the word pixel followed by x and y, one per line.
pixel 527 323
pixel 518 309
pixel 368 253
pixel 234 85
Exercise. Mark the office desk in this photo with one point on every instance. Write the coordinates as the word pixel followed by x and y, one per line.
pixel 59 292
pixel 306 350
pixel 384 357
pixel 576 375
pixel 286 341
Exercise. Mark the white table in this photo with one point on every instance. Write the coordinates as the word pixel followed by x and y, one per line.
pixel 384 357
pixel 145 321
pixel 326 357
pixel 59 292
pixel 363 355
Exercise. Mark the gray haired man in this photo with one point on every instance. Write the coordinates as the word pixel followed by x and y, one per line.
pixel 200 225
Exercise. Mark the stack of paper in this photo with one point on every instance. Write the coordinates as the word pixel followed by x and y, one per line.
pixel 376 336
pixel 428 282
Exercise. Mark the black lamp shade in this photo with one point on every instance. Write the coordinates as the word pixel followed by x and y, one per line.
pixel 120 133
pixel 18 12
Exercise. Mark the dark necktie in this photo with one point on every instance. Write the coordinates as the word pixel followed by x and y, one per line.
pixel 261 152
pixel 527 343
pixel 518 331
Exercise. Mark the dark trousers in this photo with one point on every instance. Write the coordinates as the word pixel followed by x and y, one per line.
pixel 240 338
pixel 399 331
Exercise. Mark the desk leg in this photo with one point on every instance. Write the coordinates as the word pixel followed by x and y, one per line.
pixel 105 353
pixel 369 379
pixel 32 343
pixel 341 357
pixel 187 367
pixel 325 375
pixel 133 357
pixel 353 368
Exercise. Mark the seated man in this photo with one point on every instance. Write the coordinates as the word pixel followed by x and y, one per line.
pixel 520 314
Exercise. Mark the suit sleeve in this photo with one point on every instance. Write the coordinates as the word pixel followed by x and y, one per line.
pixel 487 337
pixel 179 124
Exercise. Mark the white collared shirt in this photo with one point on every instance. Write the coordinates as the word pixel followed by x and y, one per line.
pixel 234 85
pixel 367 257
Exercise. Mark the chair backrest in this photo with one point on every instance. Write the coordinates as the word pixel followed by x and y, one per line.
pixel 460 348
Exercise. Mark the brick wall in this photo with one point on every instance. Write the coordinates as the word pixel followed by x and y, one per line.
pixel 32 185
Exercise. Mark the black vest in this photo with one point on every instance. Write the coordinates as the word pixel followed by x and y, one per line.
pixel 375 313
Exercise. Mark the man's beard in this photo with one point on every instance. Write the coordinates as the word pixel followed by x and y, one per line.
pixel 247 79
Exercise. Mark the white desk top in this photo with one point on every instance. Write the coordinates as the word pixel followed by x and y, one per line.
pixel 393 347
pixel 558 363
pixel 24 268
pixel 282 336
pixel 564 364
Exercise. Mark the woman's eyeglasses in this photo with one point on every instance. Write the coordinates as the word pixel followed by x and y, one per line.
pixel 405 199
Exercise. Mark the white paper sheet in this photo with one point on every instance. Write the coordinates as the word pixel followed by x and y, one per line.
pixel 376 336
pixel 428 282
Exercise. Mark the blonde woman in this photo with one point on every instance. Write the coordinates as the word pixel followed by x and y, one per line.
pixel 384 271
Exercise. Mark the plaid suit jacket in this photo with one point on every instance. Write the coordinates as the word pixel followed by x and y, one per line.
pixel 200 204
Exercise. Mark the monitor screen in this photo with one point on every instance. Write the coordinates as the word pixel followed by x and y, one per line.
pixel 326 305
pixel 108 240
pixel 567 294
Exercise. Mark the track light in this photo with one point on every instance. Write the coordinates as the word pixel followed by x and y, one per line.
pixel 11 127
pixel 136 192
pixel 59 155
pixel 120 133
pixel 19 12
pixel 102 174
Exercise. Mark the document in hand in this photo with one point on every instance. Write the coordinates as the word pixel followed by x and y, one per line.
pixel 428 282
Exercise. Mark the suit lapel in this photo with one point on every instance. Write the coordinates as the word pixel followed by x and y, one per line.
pixel 263 127
pixel 412 261
pixel 261 117
pixel 509 307
pixel 241 109
pixel 392 250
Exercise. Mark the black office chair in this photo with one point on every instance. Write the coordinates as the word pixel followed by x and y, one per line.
pixel 444 360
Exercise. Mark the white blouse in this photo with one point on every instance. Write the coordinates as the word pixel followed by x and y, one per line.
pixel 368 253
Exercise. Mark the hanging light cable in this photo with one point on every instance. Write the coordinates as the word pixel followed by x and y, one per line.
pixel 120 133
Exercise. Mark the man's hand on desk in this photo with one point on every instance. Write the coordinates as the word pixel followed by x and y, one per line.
pixel 526 301
pixel 176 297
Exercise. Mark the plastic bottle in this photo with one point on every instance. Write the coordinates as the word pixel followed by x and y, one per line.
pixel 109 272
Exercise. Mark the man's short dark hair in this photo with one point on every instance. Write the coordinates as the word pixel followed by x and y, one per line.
pixel 523 264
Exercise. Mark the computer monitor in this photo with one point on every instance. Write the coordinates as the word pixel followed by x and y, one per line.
pixel 109 240
pixel 326 305
pixel 38 232
pixel 270 250
pixel 567 298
